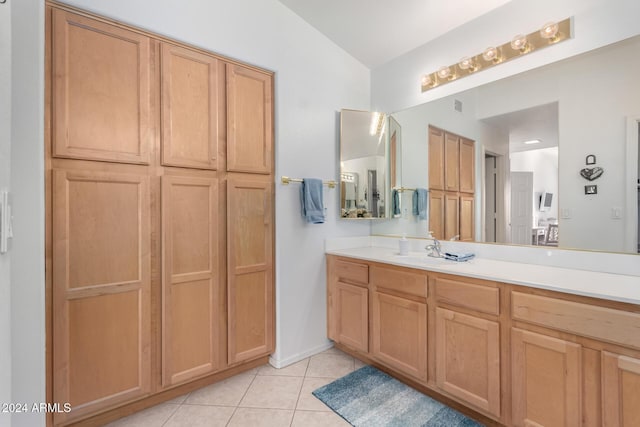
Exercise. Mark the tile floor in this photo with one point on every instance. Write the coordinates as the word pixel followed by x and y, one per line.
pixel 264 396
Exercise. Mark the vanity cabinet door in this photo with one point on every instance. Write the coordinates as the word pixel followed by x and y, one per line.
pixel 351 316
pixel 546 380
pixel 620 390
pixel 451 215
pixel 436 213
pixel 467 226
pixel 249 120
pixel 468 358
pixel 399 335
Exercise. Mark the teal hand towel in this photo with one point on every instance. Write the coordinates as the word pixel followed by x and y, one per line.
pixel 459 256
pixel 395 203
pixel 420 203
pixel 311 200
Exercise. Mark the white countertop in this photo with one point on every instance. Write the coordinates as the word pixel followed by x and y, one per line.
pixel 615 287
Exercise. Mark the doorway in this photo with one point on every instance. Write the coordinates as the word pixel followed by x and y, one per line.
pixel 490 201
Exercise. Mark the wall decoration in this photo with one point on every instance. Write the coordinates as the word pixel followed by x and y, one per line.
pixel 591 173
pixel 591 159
pixel 590 189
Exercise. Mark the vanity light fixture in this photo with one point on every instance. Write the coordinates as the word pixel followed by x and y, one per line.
pixel 377 123
pixel 549 34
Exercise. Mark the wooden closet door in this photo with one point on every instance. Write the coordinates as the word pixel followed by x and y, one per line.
pixel 436 159
pixel 101 296
pixel 451 215
pixel 467 166
pixel 190 287
pixel 451 162
pixel 436 213
pixel 190 107
pixel 250 302
pixel 467 224
pixel 249 120
pixel 101 91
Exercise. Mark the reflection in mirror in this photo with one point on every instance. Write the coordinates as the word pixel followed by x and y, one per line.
pixel 364 177
pixel 575 113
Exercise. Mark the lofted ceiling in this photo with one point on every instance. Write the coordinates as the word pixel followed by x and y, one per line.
pixel 375 32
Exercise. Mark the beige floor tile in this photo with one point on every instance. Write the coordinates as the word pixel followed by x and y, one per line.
pixel 178 400
pixel 330 365
pixel 200 416
pixel 332 350
pixel 295 370
pixel 154 416
pixel 317 419
pixel 272 392
pixel 307 401
pixel 225 393
pixel 357 364
pixel 254 417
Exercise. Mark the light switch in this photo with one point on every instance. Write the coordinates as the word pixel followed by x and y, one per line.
pixel 565 213
pixel 616 212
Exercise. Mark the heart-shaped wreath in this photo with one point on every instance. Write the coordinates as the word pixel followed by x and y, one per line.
pixel 591 173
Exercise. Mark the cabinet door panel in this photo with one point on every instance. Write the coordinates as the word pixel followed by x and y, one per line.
pixel 467 166
pixel 468 358
pixel 451 162
pixel 101 91
pixel 189 108
pixel 620 390
pixel 546 380
pixel 352 316
pixel 101 289
pixel 436 213
pixel 451 215
pixel 190 285
pixel 250 267
pixel 249 121
pixel 400 334
pixel 436 159
pixel 467 226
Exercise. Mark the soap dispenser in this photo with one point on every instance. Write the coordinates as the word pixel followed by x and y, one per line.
pixel 404 245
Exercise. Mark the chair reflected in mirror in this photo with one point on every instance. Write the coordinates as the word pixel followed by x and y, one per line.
pixel 551 237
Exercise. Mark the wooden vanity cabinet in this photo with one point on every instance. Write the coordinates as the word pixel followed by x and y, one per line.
pixel 467 341
pixel 399 319
pixel 348 303
pixel 620 390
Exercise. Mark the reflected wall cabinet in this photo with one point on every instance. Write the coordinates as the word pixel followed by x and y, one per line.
pixel 159 192
pixel 451 185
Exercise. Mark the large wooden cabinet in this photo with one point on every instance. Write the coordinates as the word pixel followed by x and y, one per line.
pixel 451 185
pixel 160 235
pixel 510 354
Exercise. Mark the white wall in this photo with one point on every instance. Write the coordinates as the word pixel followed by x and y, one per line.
pixel 27 181
pixel 314 80
pixel 396 85
pixel 5 156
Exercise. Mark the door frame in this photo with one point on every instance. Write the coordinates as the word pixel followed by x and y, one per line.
pixel 631 186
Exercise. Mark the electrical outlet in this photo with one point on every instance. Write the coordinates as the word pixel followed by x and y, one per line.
pixel 616 212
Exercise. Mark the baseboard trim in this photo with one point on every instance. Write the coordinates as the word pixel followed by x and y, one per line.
pixel 282 363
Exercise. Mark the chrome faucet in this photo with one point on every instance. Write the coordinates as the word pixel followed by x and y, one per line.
pixel 434 248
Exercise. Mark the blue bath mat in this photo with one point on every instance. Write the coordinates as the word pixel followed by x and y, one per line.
pixel 370 398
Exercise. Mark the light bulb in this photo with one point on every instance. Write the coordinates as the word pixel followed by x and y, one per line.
pixel 549 31
pixel 519 42
pixel 490 54
pixel 427 80
pixel 466 63
pixel 444 72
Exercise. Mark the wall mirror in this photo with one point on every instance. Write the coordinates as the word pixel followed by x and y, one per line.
pixel 575 108
pixel 370 163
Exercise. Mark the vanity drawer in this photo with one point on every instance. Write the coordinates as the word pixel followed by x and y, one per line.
pixel 400 280
pixel 466 294
pixel 351 272
pixel 606 324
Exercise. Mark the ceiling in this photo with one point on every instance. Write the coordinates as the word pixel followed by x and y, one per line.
pixel 375 32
